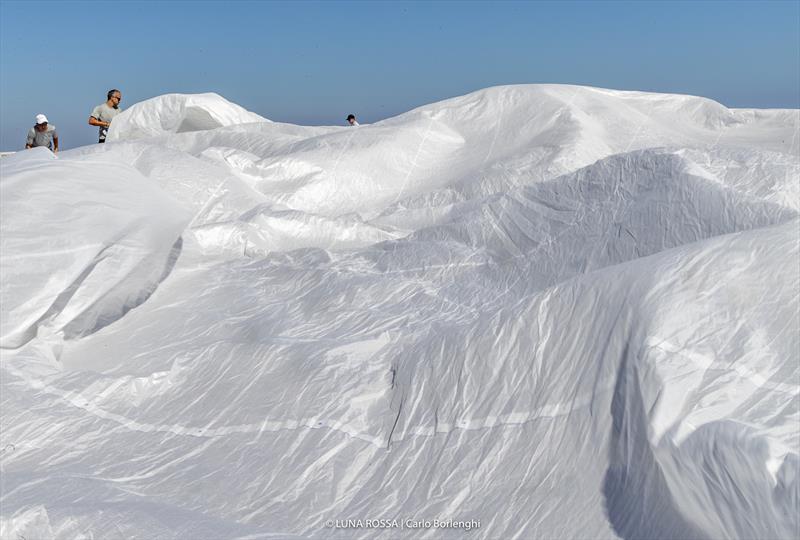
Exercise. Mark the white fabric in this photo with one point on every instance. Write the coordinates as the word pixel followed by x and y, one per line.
pixel 178 113
pixel 558 311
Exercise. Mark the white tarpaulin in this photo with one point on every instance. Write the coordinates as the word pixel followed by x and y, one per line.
pixel 536 311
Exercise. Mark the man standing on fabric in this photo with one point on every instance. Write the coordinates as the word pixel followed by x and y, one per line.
pixel 105 112
pixel 42 134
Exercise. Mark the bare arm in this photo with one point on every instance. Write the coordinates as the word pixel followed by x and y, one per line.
pixel 28 146
pixel 55 145
pixel 95 122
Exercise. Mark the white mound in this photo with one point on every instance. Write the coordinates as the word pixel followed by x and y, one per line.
pixel 538 311
pixel 178 113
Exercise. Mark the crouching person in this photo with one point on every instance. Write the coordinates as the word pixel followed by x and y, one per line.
pixel 42 134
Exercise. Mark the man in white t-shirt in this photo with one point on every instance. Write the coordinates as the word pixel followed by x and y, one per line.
pixel 42 134
pixel 105 112
pixel 351 119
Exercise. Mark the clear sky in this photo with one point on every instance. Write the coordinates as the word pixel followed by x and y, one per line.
pixel 314 62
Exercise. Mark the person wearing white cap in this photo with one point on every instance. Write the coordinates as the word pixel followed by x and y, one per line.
pixel 42 134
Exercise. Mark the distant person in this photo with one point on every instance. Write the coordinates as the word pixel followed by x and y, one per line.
pixel 105 112
pixel 43 134
pixel 351 119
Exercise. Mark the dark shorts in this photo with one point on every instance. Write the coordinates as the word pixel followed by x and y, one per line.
pixel 101 141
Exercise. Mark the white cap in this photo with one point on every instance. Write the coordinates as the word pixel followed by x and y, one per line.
pixel 41 119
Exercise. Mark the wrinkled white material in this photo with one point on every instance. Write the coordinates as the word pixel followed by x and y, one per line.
pixel 178 113
pixel 561 311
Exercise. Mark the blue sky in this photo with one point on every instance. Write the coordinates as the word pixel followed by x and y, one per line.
pixel 314 62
